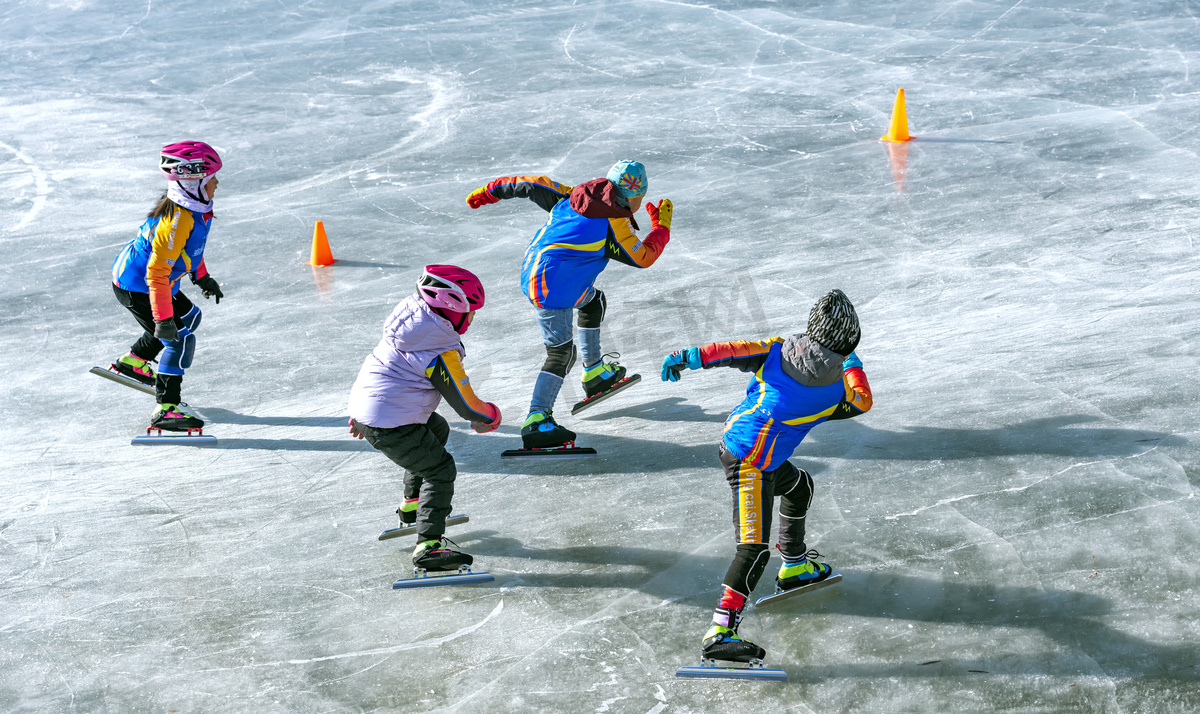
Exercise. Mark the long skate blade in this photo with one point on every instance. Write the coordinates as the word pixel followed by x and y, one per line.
pixel 122 379
pixel 615 389
pixel 752 673
pixel 547 453
pixel 805 590
pixel 180 440
pixel 433 581
pixel 409 530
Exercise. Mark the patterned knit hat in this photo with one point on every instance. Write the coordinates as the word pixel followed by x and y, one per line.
pixel 833 323
pixel 629 177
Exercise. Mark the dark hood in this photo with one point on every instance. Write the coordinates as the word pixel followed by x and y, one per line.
pixel 598 199
pixel 809 363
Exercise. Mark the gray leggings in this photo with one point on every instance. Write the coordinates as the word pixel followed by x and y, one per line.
pixel 429 470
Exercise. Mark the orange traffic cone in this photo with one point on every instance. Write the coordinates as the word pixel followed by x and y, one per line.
pixel 898 128
pixel 321 255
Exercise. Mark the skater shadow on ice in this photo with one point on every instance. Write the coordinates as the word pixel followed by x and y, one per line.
pixel 666 409
pixel 1073 621
pixel 1051 436
pixel 294 444
pixel 623 566
pixel 616 455
pixel 225 416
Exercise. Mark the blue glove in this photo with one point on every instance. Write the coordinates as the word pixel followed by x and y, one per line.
pixel 851 362
pixel 674 363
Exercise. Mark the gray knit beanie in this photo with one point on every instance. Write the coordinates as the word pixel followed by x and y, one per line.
pixel 833 323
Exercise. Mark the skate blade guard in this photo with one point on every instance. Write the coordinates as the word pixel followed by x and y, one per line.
pixel 567 450
pixel 779 597
pixel 752 670
pixel 410 529
pixel 193 437
pixel 119 378
pixel 423 579
pixel 618 387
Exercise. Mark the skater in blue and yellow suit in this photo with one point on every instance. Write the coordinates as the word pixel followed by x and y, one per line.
pixel 589 225
pixel 147 273
pixel 798 383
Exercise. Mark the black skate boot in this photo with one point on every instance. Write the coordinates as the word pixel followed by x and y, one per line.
pixel 598 378
pixel 540 431
pixel 723 643
pixel 797 575
pixel 174 417
pixel 438 555
pixel 135 368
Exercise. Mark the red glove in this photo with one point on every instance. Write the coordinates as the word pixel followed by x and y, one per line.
pixel 660 215
pixel 483 427
pixel 481 197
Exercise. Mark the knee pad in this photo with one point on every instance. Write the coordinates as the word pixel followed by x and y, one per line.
pixel 747 567
pixel 560 359
pixel 192 319
pixel 592 314
pixel 170 361
pixel 189 350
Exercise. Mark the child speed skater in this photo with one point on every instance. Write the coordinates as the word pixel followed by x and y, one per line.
pixel 799 382
pixel 417 363
pixel 589 225
pixel 146 279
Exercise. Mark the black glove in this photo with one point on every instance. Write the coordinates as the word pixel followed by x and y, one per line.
pixel 209 288
pixel 354 430
pixel 165 330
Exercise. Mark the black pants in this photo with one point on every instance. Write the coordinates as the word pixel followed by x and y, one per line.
pixel 754 494
pixel 429 470
pixel 167 386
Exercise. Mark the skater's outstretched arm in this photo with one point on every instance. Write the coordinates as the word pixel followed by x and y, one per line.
pixel 858 392
pixel 165 248
pixel 448 377
pixel 542 190
pixel 744 355
pixel 623 244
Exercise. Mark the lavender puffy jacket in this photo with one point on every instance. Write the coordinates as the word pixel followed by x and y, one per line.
pixel 392 389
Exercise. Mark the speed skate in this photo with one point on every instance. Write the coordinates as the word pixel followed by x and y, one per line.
pixel 411 528
pixel 780 595
pixel 611 391
pixel 112 374
pixel 193 437
pixel 430 579
pixel 714 669
pixel 567 450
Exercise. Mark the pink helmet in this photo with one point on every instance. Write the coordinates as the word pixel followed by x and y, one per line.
pixel 188 160
pixel 450 287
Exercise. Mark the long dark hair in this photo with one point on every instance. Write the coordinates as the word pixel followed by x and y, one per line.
pixel 162 207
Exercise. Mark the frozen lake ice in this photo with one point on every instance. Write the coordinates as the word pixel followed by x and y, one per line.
pixel 1015 519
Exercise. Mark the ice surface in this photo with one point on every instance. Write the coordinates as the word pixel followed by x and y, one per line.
pixel 1015 519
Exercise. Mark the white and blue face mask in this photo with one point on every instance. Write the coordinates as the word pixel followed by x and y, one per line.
pixel 191 194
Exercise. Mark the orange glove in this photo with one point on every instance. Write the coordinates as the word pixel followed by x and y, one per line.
pixel 483 427
pixel 481 197
pixel 660 215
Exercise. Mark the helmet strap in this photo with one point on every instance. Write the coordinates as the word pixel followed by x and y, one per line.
pixel 457 320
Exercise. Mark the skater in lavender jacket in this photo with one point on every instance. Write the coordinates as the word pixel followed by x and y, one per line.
pixel 415 365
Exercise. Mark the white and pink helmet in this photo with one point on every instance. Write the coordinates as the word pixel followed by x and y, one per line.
pixel 450 287
pixel 189 161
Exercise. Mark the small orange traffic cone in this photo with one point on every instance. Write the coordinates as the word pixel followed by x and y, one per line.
pixel 898 128
pixel 321 255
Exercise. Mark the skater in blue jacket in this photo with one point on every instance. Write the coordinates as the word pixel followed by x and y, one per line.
pixel 798 383
pixel 589 225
